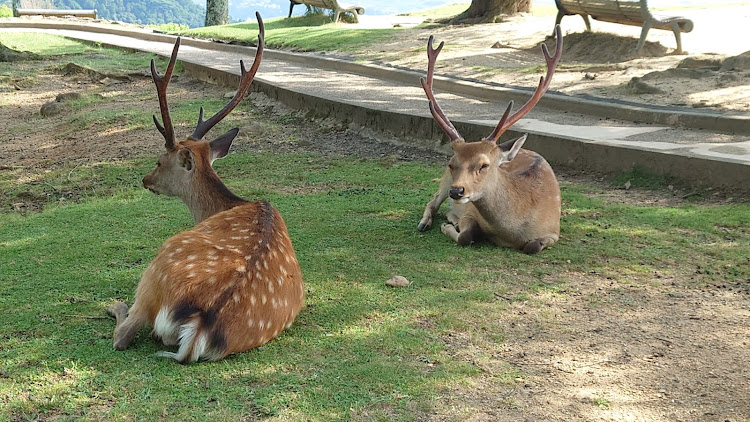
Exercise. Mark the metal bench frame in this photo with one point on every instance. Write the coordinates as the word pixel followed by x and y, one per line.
pixel 627 13
pixel 330 4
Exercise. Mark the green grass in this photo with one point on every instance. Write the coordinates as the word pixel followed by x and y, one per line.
pixel 357 345
pixel 86 54
pixel 305 33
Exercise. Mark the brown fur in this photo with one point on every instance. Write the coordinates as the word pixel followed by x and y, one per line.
pixel 513 202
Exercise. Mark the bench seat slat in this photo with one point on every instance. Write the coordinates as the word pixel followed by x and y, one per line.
pixel 624 12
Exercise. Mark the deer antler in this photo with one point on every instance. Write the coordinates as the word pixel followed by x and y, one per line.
pixel 506 122
pixel 245 79
pixel 161 90
pixel 435 110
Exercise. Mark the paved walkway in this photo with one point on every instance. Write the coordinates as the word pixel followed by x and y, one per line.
pixel 710 148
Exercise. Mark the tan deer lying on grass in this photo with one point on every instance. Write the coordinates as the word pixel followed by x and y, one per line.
pixel 500 192
pixel 232 282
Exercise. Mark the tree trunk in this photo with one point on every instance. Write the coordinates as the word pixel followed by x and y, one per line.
pixel 488 11
pixel 217 12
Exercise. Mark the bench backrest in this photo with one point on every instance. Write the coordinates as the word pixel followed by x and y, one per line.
pixel 323 4
pixel 618 11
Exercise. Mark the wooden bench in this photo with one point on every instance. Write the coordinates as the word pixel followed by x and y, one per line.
pixel 633 12
pixel 81 13
pixel 334 5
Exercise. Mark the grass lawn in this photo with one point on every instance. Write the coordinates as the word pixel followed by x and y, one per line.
pixel 357 345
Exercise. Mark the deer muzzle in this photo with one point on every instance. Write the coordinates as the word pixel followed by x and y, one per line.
pixel 456 192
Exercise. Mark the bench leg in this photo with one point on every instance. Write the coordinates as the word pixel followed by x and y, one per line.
pixel 677 36
pixel 642 41
pixel 336 14
pixel 587 22
pixel 558 19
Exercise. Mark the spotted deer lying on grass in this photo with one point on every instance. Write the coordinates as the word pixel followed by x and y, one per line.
pixel 232 282
pixel 500 192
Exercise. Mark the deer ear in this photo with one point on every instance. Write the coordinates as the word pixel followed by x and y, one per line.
pixel 511 148
pixel 185 158
pixel 220 146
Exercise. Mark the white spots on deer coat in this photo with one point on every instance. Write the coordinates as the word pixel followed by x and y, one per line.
pixel 253 300
pixel 263 299
pixel 241 268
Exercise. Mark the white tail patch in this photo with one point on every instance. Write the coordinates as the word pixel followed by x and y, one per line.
pixel 165 328
pixel 193 344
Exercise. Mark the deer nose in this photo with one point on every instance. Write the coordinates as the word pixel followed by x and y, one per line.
pixel 456 192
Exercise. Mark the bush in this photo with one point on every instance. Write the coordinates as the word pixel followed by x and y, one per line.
pixel 5 12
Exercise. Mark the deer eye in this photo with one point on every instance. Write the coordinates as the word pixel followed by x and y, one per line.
pixel 484 166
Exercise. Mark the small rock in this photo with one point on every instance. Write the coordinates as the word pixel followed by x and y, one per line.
pixel 741 62
pixel 52 108
pixel 637 86
pixel 589 76
pixel 67 96
pixel 498 44
pixel 695 62
pixel 398 281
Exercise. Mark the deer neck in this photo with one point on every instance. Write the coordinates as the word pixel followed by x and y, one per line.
pixel 210 196
pixel 496 202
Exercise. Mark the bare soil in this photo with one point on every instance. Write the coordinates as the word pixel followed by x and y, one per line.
pixel 600 63
pixel 658 348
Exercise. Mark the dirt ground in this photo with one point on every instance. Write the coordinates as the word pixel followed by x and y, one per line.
pixel 600 63
pixel 653 349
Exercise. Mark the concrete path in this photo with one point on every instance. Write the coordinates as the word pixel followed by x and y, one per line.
pixel 705 147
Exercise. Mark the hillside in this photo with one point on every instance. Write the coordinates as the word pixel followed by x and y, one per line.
pixel 142 11
pixel 145 12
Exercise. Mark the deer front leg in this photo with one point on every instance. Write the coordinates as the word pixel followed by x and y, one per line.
pixel 126 326
pixel 468 231
pixel 434 205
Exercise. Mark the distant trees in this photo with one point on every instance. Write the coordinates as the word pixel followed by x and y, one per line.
pixel 145 12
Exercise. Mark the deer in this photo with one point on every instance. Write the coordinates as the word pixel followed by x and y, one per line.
pixel 500 192
pixel 232 282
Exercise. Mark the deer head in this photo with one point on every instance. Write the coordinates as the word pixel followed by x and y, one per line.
pixel 472 161
pixel 493 178
pixel 185 168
